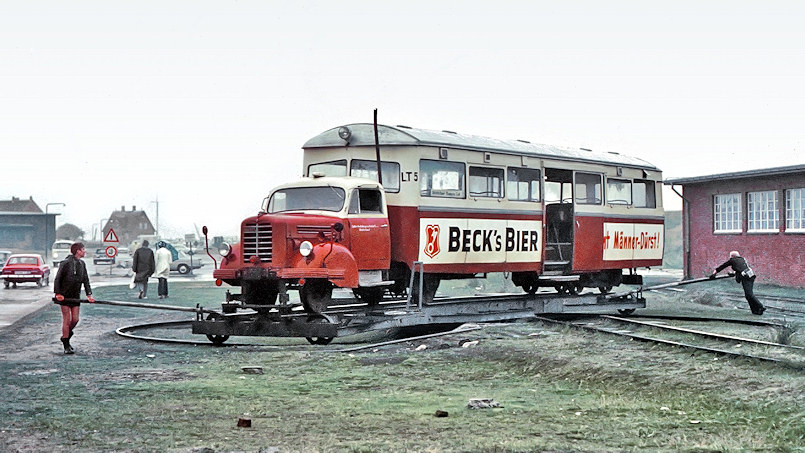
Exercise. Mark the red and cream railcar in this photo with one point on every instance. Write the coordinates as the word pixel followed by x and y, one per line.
pixel 466 205
pixel 460 205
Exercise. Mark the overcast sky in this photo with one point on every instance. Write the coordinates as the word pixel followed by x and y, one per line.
pixel 205 105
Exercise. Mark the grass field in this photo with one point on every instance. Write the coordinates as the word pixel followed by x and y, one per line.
pixel 559 390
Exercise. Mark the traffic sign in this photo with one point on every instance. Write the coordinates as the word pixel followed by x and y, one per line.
pixel 111 251
pixel 111 236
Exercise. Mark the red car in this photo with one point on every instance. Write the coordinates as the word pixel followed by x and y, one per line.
pixel 25 268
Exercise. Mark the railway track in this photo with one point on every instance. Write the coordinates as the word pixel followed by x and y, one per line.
pixel 658 331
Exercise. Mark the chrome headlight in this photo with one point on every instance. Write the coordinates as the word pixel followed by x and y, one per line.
pixel 224 249
pixel 305 248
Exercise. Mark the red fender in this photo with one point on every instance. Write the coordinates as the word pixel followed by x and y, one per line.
pixel 336 261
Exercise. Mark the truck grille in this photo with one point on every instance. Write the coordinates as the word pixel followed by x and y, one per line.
pixel 257 241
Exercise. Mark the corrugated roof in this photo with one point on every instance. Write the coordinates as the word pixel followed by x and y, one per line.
pixel 775 171
pixel 363 135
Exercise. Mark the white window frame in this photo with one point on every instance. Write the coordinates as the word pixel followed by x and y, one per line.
pixel 727 215
pixel 762 212
pixel 795 210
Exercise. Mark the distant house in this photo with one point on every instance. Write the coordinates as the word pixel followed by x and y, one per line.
pixel 24 227
pixel 128 225
pixel 759 213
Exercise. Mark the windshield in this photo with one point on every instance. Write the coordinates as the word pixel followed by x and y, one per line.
pixel 307 198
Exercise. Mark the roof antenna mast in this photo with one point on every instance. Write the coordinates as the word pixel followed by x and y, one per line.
pixel 377 153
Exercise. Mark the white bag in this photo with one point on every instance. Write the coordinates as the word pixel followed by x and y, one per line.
pixel 132 284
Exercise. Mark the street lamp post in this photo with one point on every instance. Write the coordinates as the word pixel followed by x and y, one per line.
pixel 47 228
pixel 100 229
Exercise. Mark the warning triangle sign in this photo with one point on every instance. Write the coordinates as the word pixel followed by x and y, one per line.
pixel 111 236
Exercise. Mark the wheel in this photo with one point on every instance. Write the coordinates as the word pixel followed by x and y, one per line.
pixel 316 295
pixel 41 282
pixel 372 296
pixel 5 284
pixel 47 280
pixel 604 289
pixel 216 339
pixel 319 319
pixel 530 288
pixel 183 269
pixel 626 311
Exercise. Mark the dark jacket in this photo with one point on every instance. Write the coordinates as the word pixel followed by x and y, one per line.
pixel 738 264
pixel 71 275
pixel 143 264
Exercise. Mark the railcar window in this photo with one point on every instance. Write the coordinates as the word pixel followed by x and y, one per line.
pixel 441 179
pixel 619 191
pixel 795 210
pixel 366 201
pixel 486 182
pixel 368 169
pixel 727 213
pixel 333 168
pixel 762 211
pixel 522 184
pixel 588 188
pixel 558 192
pixel 327 198
pixel 643 195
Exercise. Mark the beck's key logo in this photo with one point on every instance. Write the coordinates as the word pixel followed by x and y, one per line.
pixel 432 246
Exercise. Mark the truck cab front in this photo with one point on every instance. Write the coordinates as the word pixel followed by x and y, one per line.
pixel 311 235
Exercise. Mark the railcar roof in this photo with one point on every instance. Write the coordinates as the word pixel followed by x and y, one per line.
pixel 363 135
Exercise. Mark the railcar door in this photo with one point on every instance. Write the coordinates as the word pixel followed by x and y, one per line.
pixel 558 221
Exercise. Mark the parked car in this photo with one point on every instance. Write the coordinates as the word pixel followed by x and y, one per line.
pixel 25 268
pixel 101 257
pixel 123 258
pixel 4 254
pixel 182 264
pixel 60 250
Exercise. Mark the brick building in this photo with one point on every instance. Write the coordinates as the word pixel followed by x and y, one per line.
pixel 128 225
pixel 760 213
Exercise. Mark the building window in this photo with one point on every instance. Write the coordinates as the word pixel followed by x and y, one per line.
pixel 763 212
pixel 486 182
pixel 727 213
pixel 795 210
pixel 523 184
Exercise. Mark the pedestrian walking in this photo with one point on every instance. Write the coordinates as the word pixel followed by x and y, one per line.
pixel 72 274
pixel 163 268
pixel 143 266
pixel 746 277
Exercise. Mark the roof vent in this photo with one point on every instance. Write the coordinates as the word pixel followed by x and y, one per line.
pixel 586 149
pixel 449 132
pixel 524 141
pixel 403 126
pixel 318 174
pixel 613 152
